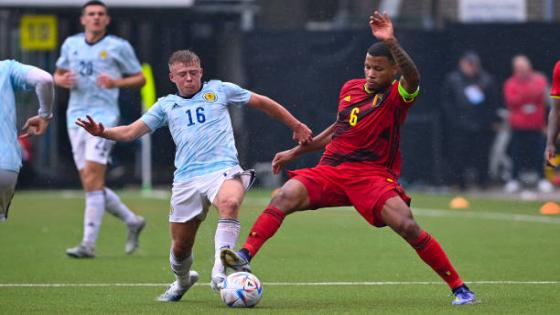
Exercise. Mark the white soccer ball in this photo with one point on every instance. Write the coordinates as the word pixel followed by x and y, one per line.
pixel 241 289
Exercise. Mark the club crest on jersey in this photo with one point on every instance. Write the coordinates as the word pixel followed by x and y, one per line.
pixel 209 97
pixel 103 54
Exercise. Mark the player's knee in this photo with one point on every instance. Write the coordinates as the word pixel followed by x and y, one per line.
pixel 181 251
pixel 229 208
pixel 287 200
pixel 92 181
pixel 409 229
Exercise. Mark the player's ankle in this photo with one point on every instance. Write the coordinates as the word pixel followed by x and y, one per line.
pixel 459 286
pixel 245 253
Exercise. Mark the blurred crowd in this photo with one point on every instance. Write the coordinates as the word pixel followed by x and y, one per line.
pixel 495 134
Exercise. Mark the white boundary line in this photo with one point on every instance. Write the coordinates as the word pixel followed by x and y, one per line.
pixel 366 283
pixel 443 213
pixel 485 215
pixel 466 214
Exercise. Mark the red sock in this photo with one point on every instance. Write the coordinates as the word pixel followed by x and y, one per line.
pixel 264 228
pixel 432 254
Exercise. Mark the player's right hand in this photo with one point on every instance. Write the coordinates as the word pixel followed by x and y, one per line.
pixel 91 126
pixel 67 80
pixel 34 126
pixel 302 134
pixel 549 153
pixel 280 159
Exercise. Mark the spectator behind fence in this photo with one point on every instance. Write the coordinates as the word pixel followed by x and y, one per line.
pixel 470 103
pixel 525 99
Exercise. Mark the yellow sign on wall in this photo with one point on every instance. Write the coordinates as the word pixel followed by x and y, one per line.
pixel 38 32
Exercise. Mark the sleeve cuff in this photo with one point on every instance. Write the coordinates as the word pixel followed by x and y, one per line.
pixel 46 115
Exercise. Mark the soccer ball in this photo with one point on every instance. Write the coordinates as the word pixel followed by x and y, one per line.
pixel 241 289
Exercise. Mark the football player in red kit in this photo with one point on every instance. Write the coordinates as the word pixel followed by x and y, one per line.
pixel 553 127
pixel 361 162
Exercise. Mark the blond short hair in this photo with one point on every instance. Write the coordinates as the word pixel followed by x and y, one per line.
pixel 183 56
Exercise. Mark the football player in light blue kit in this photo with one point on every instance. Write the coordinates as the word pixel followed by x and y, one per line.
pixel 16 76
pixel 93 65
pixel 207 170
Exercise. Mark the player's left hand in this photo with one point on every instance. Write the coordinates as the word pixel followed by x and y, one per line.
pixel 381 26
pixel 302 134
pixel 280 159
pixel 549 153
pixel 91 126
pixel 105 81
pixel 34 126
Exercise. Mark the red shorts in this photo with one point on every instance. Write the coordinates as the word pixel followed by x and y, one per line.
pixel 365 188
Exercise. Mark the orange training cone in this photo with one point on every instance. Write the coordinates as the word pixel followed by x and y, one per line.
pixel 550 208
pixel 459 203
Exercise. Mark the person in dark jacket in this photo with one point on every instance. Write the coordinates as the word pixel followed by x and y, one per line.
pixel 470 99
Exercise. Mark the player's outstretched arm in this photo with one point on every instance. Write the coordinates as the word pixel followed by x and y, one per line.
pixel 318 143
pixel 119 133
pixel 552 133
pixel 382 28
pixel 302 133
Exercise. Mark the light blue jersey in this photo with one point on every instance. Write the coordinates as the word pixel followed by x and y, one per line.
pixel 12 78
pixel 200 127
pixel 112 56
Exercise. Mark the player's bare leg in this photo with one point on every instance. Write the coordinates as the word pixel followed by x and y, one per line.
pixel 180 257
pixel 397 215
pixel 291 197
pixel 227 201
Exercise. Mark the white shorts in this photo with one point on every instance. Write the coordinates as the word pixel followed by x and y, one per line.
pixel 190 200
pixel 86 147
pixel 8 181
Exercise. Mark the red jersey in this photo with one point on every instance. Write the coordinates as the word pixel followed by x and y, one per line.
pixel 367 130
pixel 555 91
pixel 525 99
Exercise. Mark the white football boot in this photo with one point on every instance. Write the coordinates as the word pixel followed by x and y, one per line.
pixel 81 251
pixel 175 291
pixel 133 235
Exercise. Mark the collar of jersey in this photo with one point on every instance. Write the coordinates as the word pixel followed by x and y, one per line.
pixel 382 91
pixel 99 40
pixel 191 97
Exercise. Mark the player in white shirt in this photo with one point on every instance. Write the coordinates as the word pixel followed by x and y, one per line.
pixel 93 65
pixel 15 76
pixel 207 170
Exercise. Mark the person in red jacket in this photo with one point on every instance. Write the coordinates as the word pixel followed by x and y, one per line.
pixel 525 98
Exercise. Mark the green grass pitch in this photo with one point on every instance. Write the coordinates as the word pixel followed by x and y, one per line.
pixel 327 261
